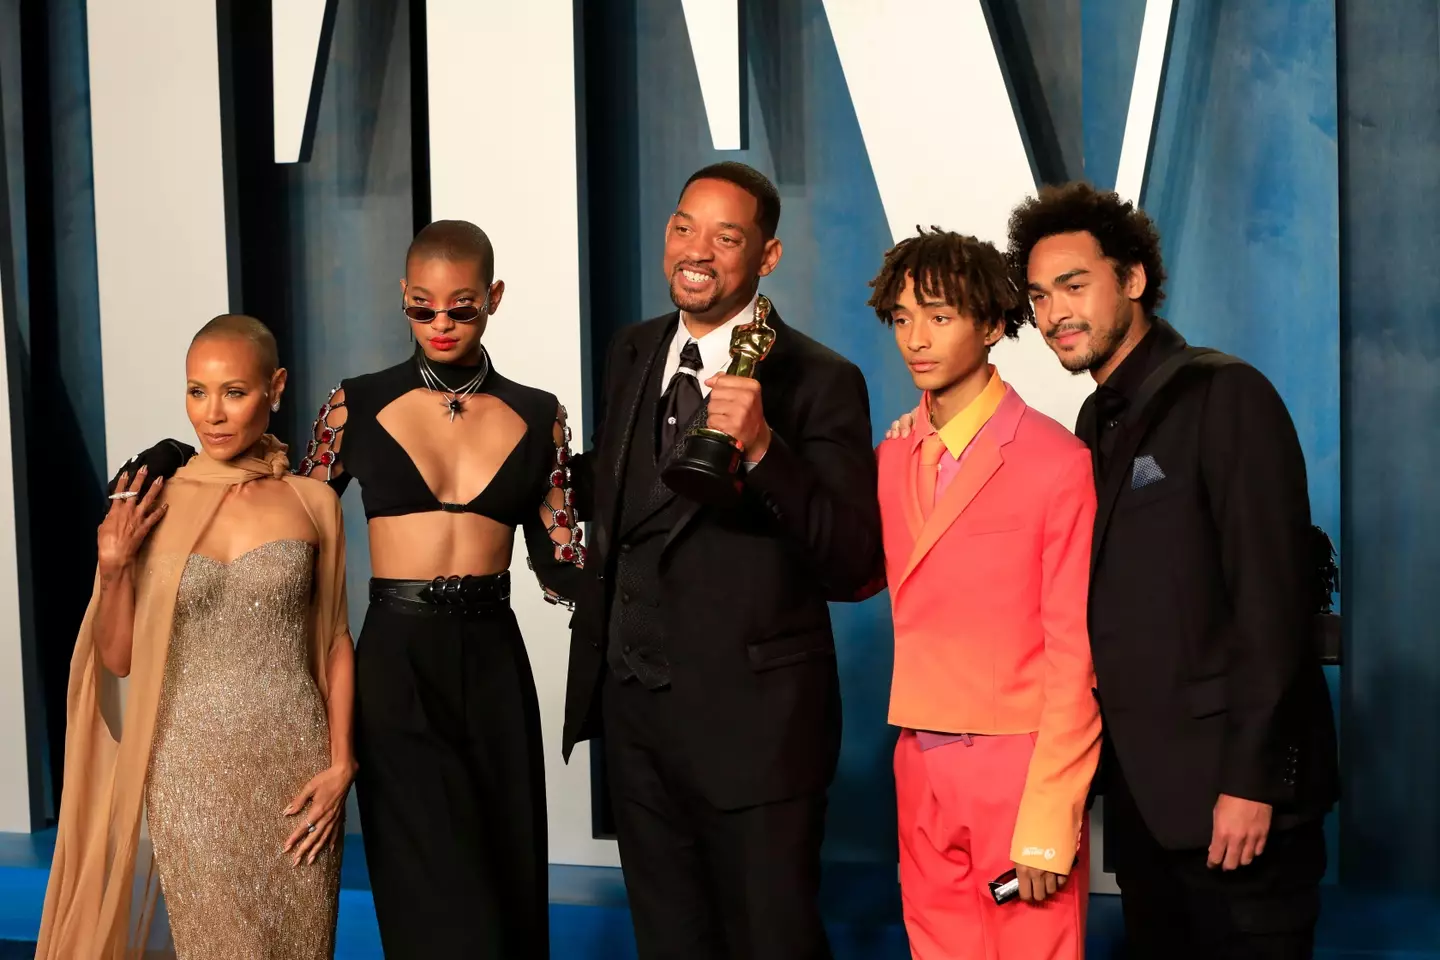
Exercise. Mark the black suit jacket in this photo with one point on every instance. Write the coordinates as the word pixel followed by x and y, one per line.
pixel 1201 604
pixel 744 589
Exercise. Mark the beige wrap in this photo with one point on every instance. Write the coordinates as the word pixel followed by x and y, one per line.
pixel 103 888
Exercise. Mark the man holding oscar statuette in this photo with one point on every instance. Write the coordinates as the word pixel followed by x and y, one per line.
pixel 730 491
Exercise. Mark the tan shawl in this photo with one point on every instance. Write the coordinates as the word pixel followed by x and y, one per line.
pixel 103 886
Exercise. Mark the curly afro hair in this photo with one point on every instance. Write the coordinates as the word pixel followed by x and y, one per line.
pixel 969 274
pixel 1125 234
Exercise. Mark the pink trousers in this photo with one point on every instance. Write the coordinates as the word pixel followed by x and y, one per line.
pixel 957 808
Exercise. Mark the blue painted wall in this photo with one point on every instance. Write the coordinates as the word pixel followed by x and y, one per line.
pixel 1390 209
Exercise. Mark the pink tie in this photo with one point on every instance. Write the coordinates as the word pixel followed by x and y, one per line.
pixel 931 449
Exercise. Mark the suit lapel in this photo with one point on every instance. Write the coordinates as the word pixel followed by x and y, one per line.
pixel 1125 449
pixel 646 348
pixel 975 472
pixel 659 495
pixel 1135 427
pixel 983 461
pixel 1085 429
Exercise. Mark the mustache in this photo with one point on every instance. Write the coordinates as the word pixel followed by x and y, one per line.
pixel 1065 328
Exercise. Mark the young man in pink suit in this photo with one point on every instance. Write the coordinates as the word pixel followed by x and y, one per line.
pixel 987 511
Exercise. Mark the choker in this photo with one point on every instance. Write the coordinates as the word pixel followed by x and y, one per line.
pixel 453 382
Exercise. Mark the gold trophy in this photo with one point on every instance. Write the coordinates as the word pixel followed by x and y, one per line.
pixel 707 468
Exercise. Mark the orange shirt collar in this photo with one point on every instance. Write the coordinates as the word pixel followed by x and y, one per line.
pixel 959 430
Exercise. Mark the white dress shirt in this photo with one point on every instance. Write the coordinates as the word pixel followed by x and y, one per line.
pixel 714 348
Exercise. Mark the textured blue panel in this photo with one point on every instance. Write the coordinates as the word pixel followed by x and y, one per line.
pixel 1110 40
pixel 1040 53
pixel 1390 190
pixel 58 421
pixel 347 214
pixel 77 345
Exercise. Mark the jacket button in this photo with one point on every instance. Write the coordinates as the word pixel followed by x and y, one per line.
pixel 624 596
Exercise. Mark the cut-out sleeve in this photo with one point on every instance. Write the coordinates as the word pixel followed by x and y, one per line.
pixel 322 455
pixel 553 537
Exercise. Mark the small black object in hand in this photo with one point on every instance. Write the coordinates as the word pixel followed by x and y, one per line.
pixel 1005 887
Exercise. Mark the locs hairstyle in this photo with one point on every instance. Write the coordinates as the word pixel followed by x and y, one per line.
pixel 969 274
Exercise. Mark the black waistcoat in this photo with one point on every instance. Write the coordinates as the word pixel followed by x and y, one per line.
pixel 648 511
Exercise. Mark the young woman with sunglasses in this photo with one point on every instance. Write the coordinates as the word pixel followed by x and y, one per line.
pixel 451 458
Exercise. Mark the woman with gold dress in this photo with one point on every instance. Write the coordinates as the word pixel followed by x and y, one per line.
pixel 220 595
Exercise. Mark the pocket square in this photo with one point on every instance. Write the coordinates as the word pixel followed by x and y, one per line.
pixel 1145 472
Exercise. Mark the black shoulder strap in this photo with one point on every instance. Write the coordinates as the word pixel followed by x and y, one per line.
pixel 1190 358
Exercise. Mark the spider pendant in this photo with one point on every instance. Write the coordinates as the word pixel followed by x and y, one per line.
pixel 455 406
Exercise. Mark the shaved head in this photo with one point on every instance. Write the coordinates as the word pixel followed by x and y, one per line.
pixel 458 241
pixel 237 326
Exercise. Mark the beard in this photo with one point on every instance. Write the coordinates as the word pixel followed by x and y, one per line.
pixel 694 303
pixel 1103 344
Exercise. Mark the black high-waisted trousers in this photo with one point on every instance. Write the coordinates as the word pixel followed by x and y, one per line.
pixel 451 784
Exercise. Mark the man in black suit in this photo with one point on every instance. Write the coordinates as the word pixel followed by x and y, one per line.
pixel 1220 762
pixel 702 647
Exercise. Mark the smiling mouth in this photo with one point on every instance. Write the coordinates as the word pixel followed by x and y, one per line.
pixel 695 277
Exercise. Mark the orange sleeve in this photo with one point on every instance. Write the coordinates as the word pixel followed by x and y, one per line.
pixel 1067 747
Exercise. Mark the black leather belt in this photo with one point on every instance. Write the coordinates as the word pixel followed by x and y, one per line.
pixel 446 594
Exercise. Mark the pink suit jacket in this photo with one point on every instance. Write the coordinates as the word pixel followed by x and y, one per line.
pixel 989 601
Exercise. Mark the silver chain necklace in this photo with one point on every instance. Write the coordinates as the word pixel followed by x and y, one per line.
pixel 454 399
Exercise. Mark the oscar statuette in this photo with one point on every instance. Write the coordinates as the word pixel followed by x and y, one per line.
pixel 707 468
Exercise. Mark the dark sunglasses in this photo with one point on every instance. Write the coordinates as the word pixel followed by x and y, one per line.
pixel 466 313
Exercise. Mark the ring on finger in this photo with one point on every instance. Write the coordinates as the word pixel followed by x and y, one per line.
pixel 124 495
pixel 309 827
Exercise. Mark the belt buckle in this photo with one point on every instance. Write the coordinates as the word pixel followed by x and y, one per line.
pixel 465 592
pixel 444 591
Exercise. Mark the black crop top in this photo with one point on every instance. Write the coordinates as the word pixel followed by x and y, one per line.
pixel 531 489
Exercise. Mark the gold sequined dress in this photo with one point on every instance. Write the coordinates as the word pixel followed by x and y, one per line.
pixel 241 728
